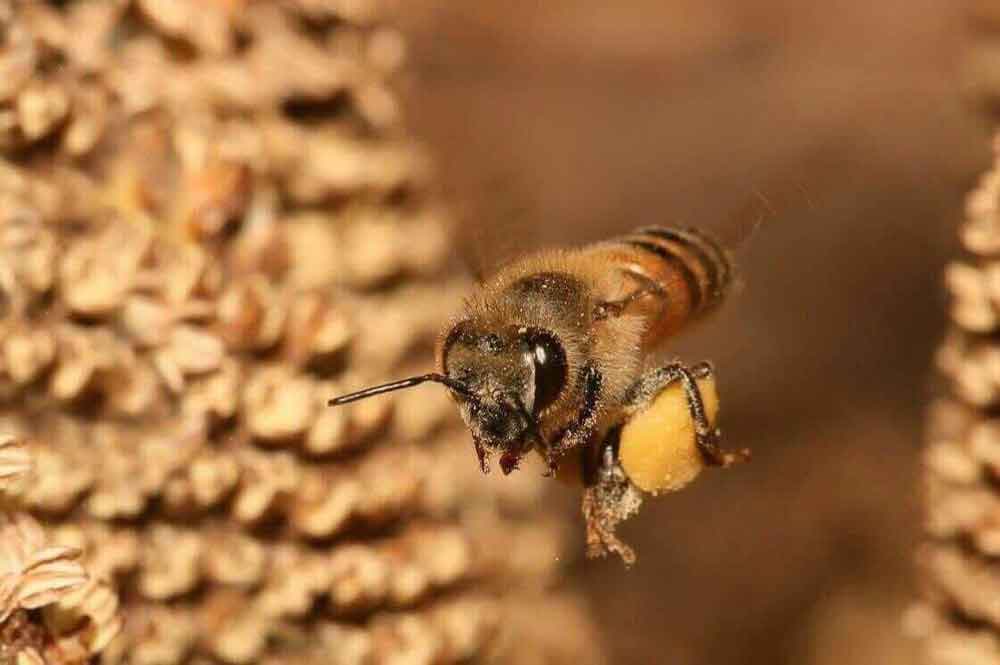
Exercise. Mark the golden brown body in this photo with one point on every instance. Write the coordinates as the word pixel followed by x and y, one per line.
pixel 606 306
pixel 551 355
pixel 684 273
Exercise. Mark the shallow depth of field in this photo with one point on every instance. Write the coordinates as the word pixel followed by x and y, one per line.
pixel 569 121
pixel 215 215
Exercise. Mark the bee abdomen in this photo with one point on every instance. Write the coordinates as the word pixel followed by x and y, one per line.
pixel 690 257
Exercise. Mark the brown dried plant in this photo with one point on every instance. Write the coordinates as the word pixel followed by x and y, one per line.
pixel 212 219
pixel 51 610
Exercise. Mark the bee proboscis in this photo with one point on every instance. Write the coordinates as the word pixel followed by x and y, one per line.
pixel 554 354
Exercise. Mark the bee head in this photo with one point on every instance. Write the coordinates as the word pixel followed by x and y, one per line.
pixel 502 380
pixel 512 375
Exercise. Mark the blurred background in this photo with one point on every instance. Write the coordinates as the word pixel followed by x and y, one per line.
pixel 560 122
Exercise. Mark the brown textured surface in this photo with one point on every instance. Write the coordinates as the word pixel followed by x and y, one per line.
pixel 53 610
pixel 212 221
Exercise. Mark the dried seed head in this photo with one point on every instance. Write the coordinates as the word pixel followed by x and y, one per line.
pixel 32 574
pixel 178 299
pixel 960 619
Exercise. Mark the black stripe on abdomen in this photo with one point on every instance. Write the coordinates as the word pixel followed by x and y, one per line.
pixel 702 249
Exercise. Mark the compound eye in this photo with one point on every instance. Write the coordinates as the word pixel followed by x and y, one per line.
pixel 548 358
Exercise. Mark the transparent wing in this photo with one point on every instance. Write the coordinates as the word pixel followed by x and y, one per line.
pixel 762 206
pixel 501 217
pixel 494 222
pixel 733 217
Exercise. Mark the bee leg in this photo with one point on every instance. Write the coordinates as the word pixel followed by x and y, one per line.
pixel 609 499
pixel 581 430
pixel 706 436
pixel 614 308
pixel 484 464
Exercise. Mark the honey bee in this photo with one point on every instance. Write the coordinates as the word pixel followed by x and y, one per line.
pixel 554 354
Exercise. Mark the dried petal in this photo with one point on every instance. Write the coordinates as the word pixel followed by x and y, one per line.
pixel 40 107
pixel 219 196
pixel 234 559
pixel 27 354
pixel 97 274
pixel 15 460
pixel 278 404
pixel 95 607
pixel 195 351
pixel 20 538
pixel 8 594
pixel 146 320
pixel 169 563
pixel 17 61
pixel 45 583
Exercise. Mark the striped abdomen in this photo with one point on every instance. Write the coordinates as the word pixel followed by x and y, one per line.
pixel 681 273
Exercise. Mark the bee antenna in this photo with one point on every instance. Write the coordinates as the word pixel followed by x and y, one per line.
pixel 451 383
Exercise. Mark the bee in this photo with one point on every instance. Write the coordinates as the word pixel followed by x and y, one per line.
pixel 555 354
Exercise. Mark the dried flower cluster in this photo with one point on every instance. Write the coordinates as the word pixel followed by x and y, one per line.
pixel 211 221
pixel 52 610
pixel 961 619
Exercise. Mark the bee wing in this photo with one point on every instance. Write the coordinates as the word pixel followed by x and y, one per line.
pixel 762 205
pixel 499 219
pixel 732 218
pixel 493 223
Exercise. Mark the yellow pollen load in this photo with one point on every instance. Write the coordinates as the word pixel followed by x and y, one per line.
pixel 658 450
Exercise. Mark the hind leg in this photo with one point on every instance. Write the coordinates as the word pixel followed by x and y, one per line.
pixel 707 437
